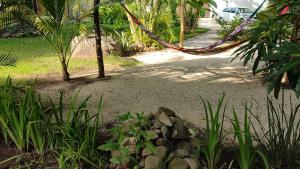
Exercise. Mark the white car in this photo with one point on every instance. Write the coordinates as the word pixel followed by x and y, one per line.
pixel 228 14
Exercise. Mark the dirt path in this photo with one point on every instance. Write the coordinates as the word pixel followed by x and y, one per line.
pixel 175 80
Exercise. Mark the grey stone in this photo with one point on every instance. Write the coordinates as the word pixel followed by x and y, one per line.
pixel 165 132
pixel 146 152
pixel 157 131
pixel 157 124
pixel 181 153
pixel 169 112
pixel 161 152
pixel 180 131
pixel 184 145
pixel 161 142
pixel 142 163
pixel 112 166
pixel 172 119
pixel 154 162
pixel 170 157
pixel 193 163
pixel 165 119
pixel 119 167
pixel 178 163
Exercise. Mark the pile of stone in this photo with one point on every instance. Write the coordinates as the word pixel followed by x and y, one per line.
pixel 176 147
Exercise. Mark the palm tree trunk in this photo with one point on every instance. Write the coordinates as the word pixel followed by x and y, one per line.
pixel 182 22
pixel 101 73
pixel 66 74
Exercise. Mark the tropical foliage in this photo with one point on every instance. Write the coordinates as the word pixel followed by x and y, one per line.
pixel 275 40
pixel 51 24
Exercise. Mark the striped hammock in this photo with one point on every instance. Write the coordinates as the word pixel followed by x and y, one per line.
pixel 214 48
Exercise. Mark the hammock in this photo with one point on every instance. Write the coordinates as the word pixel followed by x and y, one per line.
pixel 203 50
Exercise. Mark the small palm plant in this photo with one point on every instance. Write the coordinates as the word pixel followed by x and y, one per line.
pixel 214 125
pixel 50 24
pixel 246 153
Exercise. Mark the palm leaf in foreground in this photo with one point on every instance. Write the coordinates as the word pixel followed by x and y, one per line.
pixel 7 60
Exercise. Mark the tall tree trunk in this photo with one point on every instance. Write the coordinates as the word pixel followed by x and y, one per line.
pixel 182 23
pixel 101 73
pixel 195 24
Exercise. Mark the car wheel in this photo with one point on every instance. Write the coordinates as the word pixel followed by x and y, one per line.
pixel 221 20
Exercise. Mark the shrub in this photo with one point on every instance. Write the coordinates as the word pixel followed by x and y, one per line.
pixel 214 127
pixel 35 127
pixel 246 153
pixel 133 129
pixel 280 139
pixel 227 28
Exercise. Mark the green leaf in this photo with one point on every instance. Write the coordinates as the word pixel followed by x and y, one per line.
pixel 108 146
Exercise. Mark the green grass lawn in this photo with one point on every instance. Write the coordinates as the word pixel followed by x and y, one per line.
pixel 36 58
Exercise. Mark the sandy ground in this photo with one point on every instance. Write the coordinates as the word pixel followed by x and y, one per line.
pixel 175 80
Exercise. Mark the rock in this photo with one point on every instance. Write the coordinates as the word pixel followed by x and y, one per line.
pixel 172 119
pixel 181 153
pixel 153 162
pixel 184 146
pixel 112 166
pixel 165 132
pixel 174 133
pixel 161 152
pixel 142 164
pixel 119 167
pixel 157 124
pixel 161 142
pixel 146 152
pixel 193 163
pixel 165 119
pixel 157 131
pixel 180 131
pixel 170 157
pixel 178 163
pixel 167 111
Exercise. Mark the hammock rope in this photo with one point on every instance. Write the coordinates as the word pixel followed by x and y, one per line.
pixel 202 50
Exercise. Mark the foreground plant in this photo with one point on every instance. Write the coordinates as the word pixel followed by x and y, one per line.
pixel 72 133
pixel 214 127
pixel 20 117
pixel 246 154
pixel 281 137
pixel 127 142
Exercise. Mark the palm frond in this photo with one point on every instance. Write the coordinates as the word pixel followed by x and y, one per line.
pixel 7 60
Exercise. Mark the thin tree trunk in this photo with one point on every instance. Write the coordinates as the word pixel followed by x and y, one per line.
pixel 66 74
pixel 182 23
pixel 101 73
pixel 195 24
